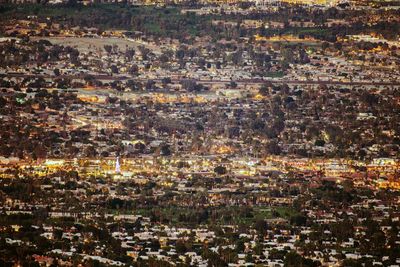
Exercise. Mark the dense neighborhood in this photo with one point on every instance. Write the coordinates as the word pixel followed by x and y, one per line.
pixel 199 133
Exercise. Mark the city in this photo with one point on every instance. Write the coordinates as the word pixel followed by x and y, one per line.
pixel 200 133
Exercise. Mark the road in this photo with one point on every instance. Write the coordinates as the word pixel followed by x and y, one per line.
pixel 202 81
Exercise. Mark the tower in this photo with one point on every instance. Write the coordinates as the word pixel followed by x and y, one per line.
pixel 117 166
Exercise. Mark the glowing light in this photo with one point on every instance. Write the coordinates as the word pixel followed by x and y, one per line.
pixel 117 166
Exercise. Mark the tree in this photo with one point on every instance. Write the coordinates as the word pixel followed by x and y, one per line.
pixel 133 70
pixel 165 150
pixel 91 151
pixel 114 69
pixel 130 53
pixel 166 80
pixel 319 142
pixel 292 259
pixel 240 246
pixel 191 85
pixel 180 54
pixel 337 45
pixel 265 89
pixel 261 226
pixel 108 48
pixel 56 72
pixel 233 84
pixel 180 246
pixel 273 148
pixel 220 170
pixel 325 45
pixel 298 220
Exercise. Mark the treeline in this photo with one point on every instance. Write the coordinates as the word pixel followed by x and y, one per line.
pixel 170 22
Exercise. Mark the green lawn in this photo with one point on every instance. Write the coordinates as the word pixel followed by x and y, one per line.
pixel 222 215
pixel 278 74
